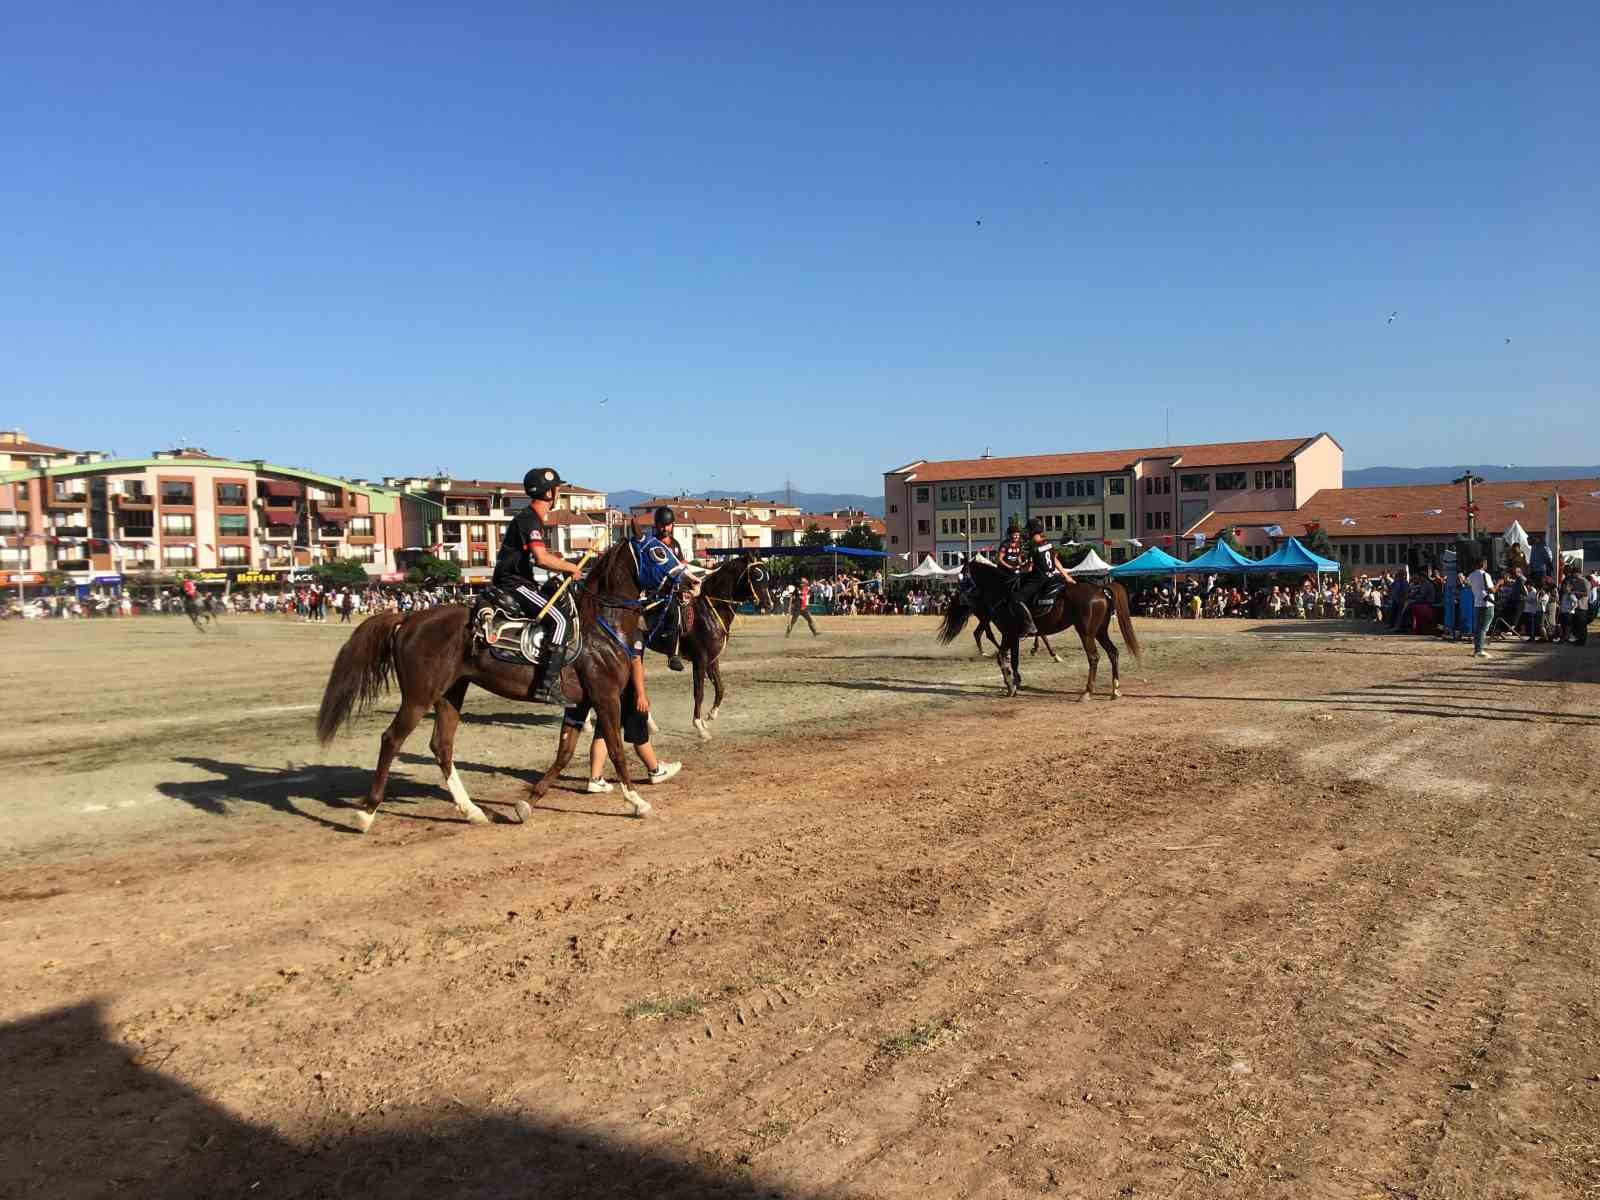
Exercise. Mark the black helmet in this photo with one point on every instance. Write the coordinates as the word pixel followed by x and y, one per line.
pixel 664 516
pixel 1035 525
pixel 541 481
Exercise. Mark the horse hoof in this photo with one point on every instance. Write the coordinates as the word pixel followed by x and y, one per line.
pixel 705 734
pixel 524 811
pixel 1055 658
pixel 1082 696
pixel 364 820
pixel 714 713
pixel 1116 695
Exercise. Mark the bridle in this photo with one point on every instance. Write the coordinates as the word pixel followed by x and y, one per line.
pixel 753 570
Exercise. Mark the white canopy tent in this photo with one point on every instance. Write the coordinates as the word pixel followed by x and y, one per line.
pixel 928 569
pixel 1092 564
pixel 1515 535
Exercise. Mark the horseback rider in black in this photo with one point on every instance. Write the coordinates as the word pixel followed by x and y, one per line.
pixel 1011 555
pixel 663 531
pixel 1045 575
pixel 524 546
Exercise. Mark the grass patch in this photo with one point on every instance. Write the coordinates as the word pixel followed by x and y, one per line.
pixel 916 1039
pixel 662 1008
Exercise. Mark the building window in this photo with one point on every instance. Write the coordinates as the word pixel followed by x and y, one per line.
pixel 894 539
pixel 1366 554
pixel 1115 486
pixel 364 554
pixel 230 524
pixel 1194 483
pixel 922 526
pixel 177 556
pixel 137 525
pixel 329 531
pixel 231 495
pixel 11 522
pixel 1158 485
pixel 922 495
pixel 1116 521
pixel 1118 554
pixel 478 558
pixel 1047 489
pixel 233 556
pixel 1230 481
pixel 360 526
pixel 1275 480
pixel 1158 520
pixel 13 557
pixel 893 508
pixel 177 493
pixel 1013 491
pixel 177 524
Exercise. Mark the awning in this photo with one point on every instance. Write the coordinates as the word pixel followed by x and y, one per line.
pixel 282 487
pixel 334 516
pixel 282 516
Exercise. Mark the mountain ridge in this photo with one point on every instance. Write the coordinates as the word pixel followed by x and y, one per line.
pixel 1415 476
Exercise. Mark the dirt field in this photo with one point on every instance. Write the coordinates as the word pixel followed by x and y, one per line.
pixel 1311 912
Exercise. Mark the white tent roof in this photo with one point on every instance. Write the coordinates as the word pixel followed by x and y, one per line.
pixel 1092 564
pixel 1515 535
pixel 928 569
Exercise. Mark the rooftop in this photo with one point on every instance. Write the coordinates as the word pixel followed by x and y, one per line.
pixel 1409 511
pixel 1086 462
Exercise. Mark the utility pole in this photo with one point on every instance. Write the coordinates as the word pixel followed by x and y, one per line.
pixel 968 528
pixel 1472 517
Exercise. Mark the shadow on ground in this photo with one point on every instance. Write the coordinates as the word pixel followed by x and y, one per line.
pixel 288 790
pixel 88 1117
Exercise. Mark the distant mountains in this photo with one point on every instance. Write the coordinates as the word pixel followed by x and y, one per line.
pixel 1403 476
pixel 808 501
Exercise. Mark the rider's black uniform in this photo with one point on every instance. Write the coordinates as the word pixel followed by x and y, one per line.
pixel 1042 577
pixel 513 569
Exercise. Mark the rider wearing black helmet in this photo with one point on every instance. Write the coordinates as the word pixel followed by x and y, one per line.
pixel 664 521
pixel 524 544
pixel 1045 572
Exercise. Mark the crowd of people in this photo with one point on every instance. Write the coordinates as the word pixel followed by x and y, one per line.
pixel 1525 602
pixel 1209 596
pixel 312 602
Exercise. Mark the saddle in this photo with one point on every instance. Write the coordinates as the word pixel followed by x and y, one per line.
pixel 500 626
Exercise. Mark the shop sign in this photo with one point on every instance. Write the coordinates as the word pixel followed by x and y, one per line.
pixel 12 578
pixel 392 577
pixel 256 577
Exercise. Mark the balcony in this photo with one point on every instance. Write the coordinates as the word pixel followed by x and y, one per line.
pixel 140 499
pixel 65 494
pixel 70 531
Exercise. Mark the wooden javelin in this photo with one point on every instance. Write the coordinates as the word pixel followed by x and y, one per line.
pixel 567 582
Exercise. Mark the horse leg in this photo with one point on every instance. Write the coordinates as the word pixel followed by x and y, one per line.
pixel 446 716
pixel 564 748
pixel 699 697
pixel 405 720
pixel 608 716
pixel 714 669
pixel 1104 638
pixel 1093 656
pixel 977 638
pixel 1005 671
pixel 1014 644
pixel 1054 657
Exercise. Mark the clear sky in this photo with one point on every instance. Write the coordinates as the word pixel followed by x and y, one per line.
pixel 806 242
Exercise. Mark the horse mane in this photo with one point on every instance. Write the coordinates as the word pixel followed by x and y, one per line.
pixel 600 578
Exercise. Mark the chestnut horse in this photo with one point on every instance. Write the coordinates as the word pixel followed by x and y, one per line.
pixel 741 578
pixel 1086 607
pixel 431 655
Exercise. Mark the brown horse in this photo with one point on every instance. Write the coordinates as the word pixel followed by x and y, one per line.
pixel 1088 608
pixel 741 578
pixel 431 655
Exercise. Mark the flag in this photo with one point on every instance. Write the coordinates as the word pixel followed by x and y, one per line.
pixel 1313 526
pixel 1347 520
pixel 1199 539
pixel 1391 516
pixel 1136 542
pixel 1273 531
pixel 1434 512
pixel 1515 504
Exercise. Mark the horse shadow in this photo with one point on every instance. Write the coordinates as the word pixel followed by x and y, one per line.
pixel 906 687
pixel 519 719
pixel 285 790
pixel 71 1086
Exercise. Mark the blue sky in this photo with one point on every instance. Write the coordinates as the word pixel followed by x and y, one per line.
pixel 371 238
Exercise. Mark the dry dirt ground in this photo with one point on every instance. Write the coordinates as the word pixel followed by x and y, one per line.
pixel 1311 912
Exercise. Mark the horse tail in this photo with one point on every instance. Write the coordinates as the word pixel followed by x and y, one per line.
pixel 955 620
pixel 1125 619
pixel 360 674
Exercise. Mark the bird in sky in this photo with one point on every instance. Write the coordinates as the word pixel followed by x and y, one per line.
pixel 1508 341
pixel 1392 316
pixel 980 222
pixel 605 402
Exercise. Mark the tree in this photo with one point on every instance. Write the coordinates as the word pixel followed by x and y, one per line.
pixel 1074 553
pixel 814 536
pixel 56 580
pixel 428 569
pixel 1227 539
pixel 341 572
pixel 861 537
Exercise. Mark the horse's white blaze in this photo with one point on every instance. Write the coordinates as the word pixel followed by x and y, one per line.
pixel 641 807
pixel 705 734
pixel 365 819
pixel 458 793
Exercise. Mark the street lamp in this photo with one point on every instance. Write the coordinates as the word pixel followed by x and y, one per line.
pixel 968 528
pixel 1470 479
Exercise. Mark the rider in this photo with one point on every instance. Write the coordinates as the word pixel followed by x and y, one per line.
pixel 663 531
pixel 1044 570
pixel 523 547
pixel 1011 556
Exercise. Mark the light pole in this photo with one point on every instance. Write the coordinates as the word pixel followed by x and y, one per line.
pixel 968 527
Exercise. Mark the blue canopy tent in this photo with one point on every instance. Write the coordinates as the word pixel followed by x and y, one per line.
pixel 1220 559
pixel 1154 561
pixel 1292 558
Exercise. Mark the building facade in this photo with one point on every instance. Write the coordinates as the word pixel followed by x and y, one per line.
pixel 953 509
pixel 189 512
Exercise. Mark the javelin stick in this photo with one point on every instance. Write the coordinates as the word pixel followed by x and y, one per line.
pixel 567 582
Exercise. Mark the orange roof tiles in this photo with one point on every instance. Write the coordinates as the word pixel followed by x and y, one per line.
pixel 1404 511
pixel 1214 454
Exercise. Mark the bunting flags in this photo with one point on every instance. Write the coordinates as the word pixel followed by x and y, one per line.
pixel 1434 512
pixel 1347 520
pixel 1199 539
pixel 1136 542
pixel 1273 531
pixel 1515 504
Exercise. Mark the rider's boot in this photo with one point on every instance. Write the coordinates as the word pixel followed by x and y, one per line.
pixel 675 660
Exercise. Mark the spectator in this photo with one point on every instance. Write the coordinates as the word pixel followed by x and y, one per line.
pixel 1481 585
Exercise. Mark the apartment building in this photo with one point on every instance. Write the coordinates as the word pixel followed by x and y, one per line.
pixel 751 524
pixel 954 508
pixel 189 511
